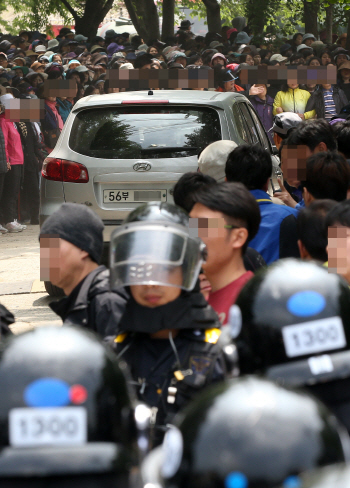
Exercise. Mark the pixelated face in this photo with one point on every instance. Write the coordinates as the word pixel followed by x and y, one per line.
pixel 214 234
pixel 153 51
pixel 294 163
pixel 60 261
pixel 60 88
pixel 339 251
pixel 24 110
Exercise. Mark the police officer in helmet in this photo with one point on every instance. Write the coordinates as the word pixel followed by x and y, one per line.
pixel 66 417
pixel 249 433
pixel 169 336
pixel 292 323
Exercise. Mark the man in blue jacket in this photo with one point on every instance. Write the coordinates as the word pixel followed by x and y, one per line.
pixel 277 235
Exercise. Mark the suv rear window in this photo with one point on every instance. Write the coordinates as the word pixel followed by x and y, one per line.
pixel 144 132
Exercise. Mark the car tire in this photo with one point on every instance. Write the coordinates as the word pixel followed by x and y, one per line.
pixel 52 290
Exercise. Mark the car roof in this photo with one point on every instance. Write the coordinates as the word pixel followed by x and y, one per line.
pixel 192 97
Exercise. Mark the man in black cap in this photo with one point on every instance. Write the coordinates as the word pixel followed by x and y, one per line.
pixel 71 244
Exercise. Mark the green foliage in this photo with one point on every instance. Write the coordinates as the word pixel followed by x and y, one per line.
pixel 34 14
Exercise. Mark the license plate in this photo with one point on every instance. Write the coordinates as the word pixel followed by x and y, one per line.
pixel 47 426
pixel 134 196
pixel 313 337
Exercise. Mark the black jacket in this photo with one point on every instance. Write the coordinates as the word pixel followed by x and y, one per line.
pixel 93 305
pixel 6 319
pixel 316 101
pixel 30 145
pixel 169 373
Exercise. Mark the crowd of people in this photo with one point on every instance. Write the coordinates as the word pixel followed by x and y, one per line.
pixel 29 59
pixel 213 310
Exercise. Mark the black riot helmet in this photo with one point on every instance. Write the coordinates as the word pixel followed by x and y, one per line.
pixel 293 325
pixel 66 417
pixel 250 433
pixel 154 247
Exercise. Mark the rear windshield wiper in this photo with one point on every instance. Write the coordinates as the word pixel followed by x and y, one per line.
pixel 164 149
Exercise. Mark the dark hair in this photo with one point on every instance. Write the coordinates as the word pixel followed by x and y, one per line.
pixel 342 134
pixel 311 133
pixel 296 35
pixel 235 202
pixel 187 185
pixel 339 215
pixel 311 59
pixel 233 36
pixel 89 90
pixel 243 57
pixel 250 165
pixel 312 228
pixel 327 176
pixel 142 60
pixel 296 56
pixel 264 52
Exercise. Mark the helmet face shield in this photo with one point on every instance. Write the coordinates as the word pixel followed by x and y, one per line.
pixel 155 254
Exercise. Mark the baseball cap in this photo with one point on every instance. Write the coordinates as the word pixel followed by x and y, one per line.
pixel 80 37
pixel 212 160
pixel 216 44
pixel 278 57
pixel 282 123
pixel 302 46
pixel 40 49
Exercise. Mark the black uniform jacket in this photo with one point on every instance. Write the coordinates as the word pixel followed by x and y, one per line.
pixel 93 305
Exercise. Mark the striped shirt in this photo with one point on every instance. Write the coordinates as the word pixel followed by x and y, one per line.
pixel 329 105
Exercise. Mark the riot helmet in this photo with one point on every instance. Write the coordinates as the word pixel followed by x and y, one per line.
pixel 65 412
pixel 289 312
pixel 251 433
pixel 292 323
pixel 153 247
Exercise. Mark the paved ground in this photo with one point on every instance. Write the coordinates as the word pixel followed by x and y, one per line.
pixel 21 290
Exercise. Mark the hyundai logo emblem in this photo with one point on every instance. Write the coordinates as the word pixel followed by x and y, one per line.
pixel 142 166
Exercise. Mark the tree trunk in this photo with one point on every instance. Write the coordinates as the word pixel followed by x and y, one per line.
pixel 213 15
pixel 310 17
pixel 94 13
pixel 144 16
pixel 329 23
pixel 255 12
pixel 168 18
pixel 348 31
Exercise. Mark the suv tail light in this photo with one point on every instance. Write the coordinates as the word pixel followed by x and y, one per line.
pixel 62 170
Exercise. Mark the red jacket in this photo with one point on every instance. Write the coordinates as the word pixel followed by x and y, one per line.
pixel 13 144
pixel 237 88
